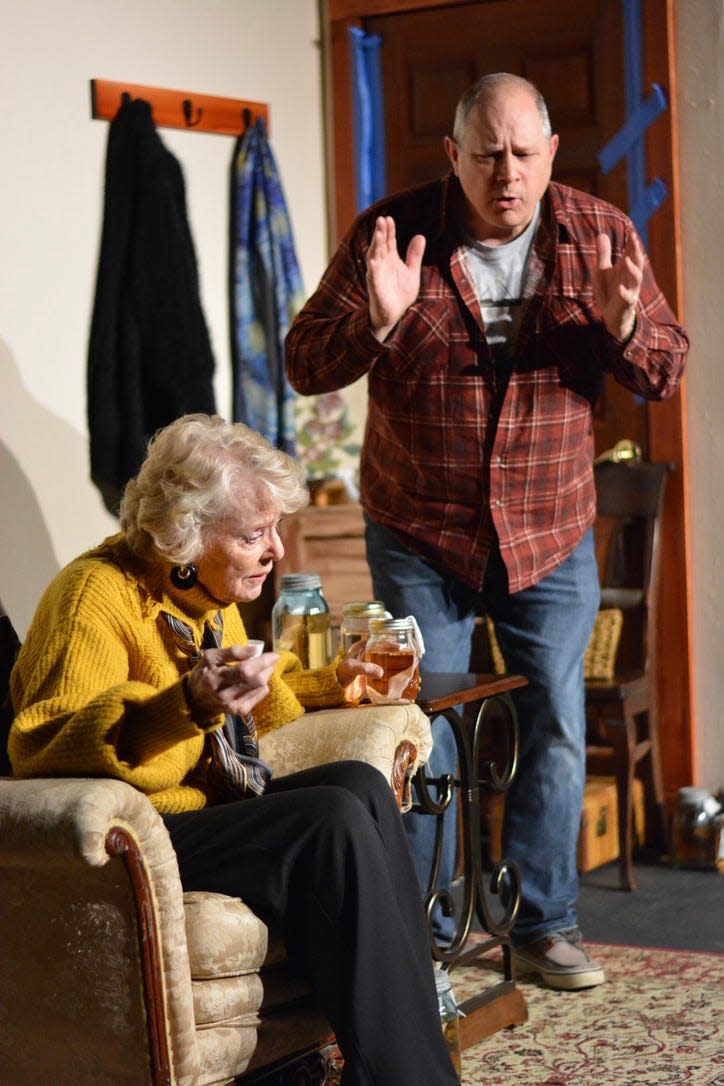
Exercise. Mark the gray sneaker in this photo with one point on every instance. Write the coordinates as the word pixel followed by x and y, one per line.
pixel 561 960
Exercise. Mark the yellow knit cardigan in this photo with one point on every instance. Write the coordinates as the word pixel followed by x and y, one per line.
pixel 97 688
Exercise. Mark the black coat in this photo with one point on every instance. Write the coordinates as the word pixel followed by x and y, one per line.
pixel 149 355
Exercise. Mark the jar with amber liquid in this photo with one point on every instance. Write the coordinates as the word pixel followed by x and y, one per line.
pixel 393 644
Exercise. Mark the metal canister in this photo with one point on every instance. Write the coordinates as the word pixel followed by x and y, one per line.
pixel 695 836
pixel 449 1017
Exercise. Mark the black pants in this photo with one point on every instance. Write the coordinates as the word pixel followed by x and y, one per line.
pixel 323 852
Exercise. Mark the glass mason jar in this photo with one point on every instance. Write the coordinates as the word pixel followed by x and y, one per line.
pixel 355 621
pixel 694 835
pixel 392 645
pixel 449 1017
pixel 301 621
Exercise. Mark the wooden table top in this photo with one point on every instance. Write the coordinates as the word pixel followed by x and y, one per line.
pixel 443 690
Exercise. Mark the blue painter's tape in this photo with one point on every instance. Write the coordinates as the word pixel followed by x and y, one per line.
pixel 633 86
pixel 368 116
pixel 632 55
pixel 646 204
pixel 633 130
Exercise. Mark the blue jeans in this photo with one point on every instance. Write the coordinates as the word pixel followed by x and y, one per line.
pixel 543 632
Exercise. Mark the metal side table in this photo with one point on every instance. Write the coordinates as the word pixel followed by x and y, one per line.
pixel 502 1004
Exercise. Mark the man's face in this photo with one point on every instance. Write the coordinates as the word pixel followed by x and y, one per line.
pixel 503 162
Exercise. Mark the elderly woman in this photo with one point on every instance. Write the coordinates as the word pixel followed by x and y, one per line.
pixel 136 666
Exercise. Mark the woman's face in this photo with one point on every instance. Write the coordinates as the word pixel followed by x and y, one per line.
pixel 239 554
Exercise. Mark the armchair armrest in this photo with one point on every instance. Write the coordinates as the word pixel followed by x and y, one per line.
pixel 396 739
pixel 57 820
pixel 91 912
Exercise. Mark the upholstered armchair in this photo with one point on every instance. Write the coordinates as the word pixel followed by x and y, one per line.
pixel 111 974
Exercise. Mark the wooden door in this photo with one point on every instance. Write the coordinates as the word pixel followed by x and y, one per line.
pixel 572 49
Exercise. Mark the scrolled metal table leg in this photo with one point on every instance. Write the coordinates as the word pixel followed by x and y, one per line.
pixel 434 796
pixel 505 876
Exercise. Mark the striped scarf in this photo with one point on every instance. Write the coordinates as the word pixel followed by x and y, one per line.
pixel 236 769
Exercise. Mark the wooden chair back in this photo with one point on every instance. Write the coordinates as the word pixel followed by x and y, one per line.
pixel 629 504
pixel 622 712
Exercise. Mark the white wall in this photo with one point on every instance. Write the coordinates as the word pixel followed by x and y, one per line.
pixel 50 213
pixel 700 61
pixel 51 195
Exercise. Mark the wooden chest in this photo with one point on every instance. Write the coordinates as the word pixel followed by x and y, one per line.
pixel 598 839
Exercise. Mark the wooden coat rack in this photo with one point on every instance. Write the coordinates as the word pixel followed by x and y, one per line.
pixel 179 109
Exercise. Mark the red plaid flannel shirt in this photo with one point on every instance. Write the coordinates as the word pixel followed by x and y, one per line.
pixel 452 456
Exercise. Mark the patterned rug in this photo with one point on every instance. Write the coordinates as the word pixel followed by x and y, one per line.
pixel 657 1021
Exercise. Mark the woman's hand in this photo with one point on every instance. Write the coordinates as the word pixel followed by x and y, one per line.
pixel 229 680
pixel 352 672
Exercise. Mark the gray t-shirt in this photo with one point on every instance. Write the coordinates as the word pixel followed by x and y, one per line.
pixel 498 273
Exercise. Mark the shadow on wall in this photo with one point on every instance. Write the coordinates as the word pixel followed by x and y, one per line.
pixel 27 557
pixel 53 451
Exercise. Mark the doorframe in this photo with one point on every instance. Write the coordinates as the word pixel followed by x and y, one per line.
pixel 666 420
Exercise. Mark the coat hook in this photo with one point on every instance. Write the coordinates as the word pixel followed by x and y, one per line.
pixel 186 106
pixel 246 117
pixel 125 98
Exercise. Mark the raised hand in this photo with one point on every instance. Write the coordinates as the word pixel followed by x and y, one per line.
pixel 392 283
pixel 617 286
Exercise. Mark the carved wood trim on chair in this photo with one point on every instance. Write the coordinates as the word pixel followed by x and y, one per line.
pixel 120 843
pixel 405 758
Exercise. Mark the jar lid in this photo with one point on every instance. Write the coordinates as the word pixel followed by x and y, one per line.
pixel 390 625
pixel 360 607
pixel 300 582
pixel 693 795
